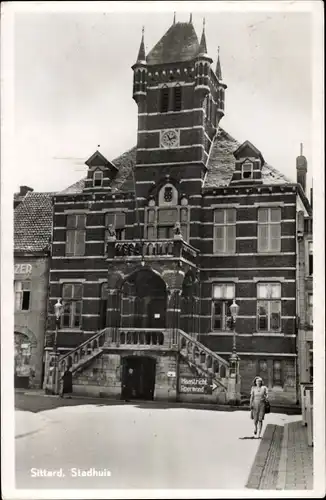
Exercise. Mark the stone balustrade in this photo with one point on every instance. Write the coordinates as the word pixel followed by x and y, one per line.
pixel 82 352
pixel 140 337
pixel 176 248
pixel 202 357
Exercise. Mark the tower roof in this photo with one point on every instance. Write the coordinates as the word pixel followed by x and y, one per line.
pixel 180 43
pixel 141 54
pixel 203 45
pixel 218 70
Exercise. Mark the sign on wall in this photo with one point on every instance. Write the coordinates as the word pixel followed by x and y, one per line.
pixel 195 385
pixel 23 268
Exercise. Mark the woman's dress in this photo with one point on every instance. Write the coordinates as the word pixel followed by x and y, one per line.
pixel 258 398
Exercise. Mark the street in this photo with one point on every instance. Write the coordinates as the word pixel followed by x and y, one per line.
pixel 135 445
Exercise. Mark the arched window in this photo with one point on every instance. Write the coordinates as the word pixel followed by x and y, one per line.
pixel 177 101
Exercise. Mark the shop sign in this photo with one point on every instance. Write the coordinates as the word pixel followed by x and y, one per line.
pixel 195 385
pixel 23 268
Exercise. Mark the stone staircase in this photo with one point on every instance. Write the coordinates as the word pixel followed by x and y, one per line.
pixel 198 357
pixel 204 361
pixel 79 357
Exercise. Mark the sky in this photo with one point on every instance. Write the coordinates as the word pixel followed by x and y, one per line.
pixel 73 86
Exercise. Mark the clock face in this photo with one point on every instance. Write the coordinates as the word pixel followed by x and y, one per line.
pixel 169 138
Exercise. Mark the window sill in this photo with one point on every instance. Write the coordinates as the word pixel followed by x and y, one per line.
pixel 22 311
pixel 268 334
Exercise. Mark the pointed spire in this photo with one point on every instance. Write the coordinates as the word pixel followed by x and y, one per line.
pixel 218 70
pixel 301 149
pixel 174 17
pixel 202 45
pixel 190 18
pixel 141 54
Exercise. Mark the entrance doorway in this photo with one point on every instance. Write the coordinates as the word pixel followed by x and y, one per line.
pixel 138 377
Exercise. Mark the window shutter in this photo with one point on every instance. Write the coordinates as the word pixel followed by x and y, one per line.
pixel 80 242
pixel 275 237
pixel 70 242
pixel 177 98
pixel 77 291
pixel 67 291
pixel 81 221
pixel 219 239
pixel 230 238
pixel 120 220
pixel 262 237
pixel 164 100
pixel 109 219
pixel 71 221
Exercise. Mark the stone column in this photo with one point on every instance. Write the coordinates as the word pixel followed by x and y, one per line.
pixel 173 314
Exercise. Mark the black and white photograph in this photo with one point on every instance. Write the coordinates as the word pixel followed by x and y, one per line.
pixel 162 250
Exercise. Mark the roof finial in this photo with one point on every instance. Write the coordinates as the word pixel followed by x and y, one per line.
pixel 141 54
pixel 301 148
pixel 174 16
pixel 190 19
pixel 218 51
pixel 218 70
pixel 204 22
pixel 202 45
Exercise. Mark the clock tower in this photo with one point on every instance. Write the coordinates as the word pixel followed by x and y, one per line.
pixel 180 102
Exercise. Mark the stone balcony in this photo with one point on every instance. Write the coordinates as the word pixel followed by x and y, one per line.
pixel 172 249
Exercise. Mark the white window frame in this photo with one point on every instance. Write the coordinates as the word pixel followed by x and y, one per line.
pixel 225 301
pixel 73 233
pixel 72 303
pixel 19 291
pixel 270 300
pixel 99 174
pixel 244 169
pixel 270 224
pixel 225 225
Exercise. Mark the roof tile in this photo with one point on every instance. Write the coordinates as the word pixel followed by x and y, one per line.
pixel 33 222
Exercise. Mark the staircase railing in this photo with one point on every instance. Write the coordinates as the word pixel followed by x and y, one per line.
pixel 203 358
pixel 83 352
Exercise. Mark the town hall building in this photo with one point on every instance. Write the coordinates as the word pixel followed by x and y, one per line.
pixel 150 250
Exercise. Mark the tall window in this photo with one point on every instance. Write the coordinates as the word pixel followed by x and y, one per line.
pixel 103 305
pixel 223 295
pixel 117 220
pixel 171 99
pixel 22 295
pixel 269 307
pixel 310 259
pixel 177 101
pixel 224 230
pixel 310 309
pixel 277 374
pixel 75 234
pixel 165 95
pixel 98 178
pixel 269 230
pixel 72 305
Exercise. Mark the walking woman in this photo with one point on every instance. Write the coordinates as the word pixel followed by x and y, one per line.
pixel 258 398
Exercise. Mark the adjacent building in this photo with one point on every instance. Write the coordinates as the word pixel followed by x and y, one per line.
pixel 32 234
pixel 150 250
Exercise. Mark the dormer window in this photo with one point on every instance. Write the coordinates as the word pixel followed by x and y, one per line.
pixel 98 179
pixel 247 170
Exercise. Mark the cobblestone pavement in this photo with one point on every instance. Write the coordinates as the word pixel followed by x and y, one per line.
pixel 283 460
pixel 299 463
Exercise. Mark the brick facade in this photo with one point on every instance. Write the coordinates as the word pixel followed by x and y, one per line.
pixel 204 172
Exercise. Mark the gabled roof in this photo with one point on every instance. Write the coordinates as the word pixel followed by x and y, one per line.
pixel 123 164
pixel 249 146
pixel 221 163
pixel 180 43
pixel 33 223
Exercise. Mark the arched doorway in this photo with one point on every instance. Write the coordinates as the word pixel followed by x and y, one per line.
pixel 138 377
pixel 143 300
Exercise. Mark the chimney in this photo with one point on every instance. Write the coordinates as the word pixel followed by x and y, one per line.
pixel 23 190
pixel 302 169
